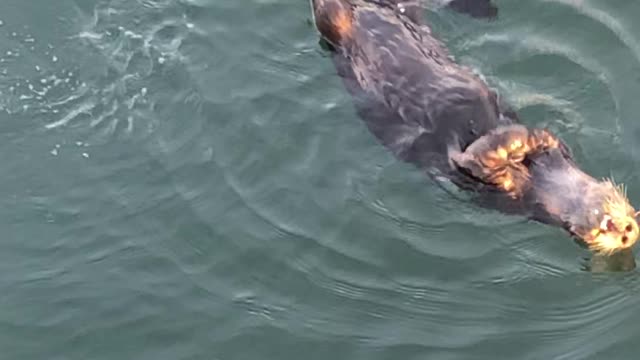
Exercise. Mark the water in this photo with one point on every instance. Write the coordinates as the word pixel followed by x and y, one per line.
pixel 187 179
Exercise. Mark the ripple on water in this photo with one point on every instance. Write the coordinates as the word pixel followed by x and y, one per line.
pixel 551 52
pixel 262 205
pixel 113 98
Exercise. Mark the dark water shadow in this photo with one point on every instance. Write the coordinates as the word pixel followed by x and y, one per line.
pixel 622 261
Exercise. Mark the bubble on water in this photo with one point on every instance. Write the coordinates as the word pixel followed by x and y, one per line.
pixel 161 60
pixel 208 154
pixel 54 58
pixel 54 152
pixel 37 68
pixel 1 22
pixel 85 155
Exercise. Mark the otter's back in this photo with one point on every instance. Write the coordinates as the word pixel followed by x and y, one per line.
pixel 406 88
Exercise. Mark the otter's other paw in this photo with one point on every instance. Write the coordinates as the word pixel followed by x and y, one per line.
pixel 495 169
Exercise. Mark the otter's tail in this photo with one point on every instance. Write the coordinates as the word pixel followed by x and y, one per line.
pixel 413 8
pixel 475 8
pixel 333 19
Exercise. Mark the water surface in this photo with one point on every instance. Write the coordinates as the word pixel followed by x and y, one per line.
pixel 187 179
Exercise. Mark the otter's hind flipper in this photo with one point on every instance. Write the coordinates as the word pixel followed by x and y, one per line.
pixel 333 19
pixel 475 8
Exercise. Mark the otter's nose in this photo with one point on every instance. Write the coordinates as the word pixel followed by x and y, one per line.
pixel 630 234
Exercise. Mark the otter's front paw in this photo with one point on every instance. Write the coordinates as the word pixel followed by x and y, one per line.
pixel 497 158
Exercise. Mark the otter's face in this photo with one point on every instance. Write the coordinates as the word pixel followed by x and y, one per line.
pixel 612 226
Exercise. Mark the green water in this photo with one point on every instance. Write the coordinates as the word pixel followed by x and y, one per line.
pixel 187 179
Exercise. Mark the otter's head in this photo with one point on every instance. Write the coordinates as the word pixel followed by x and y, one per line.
pixel 611 224
pixel 533 173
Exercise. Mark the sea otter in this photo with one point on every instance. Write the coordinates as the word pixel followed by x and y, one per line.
pixel 436 114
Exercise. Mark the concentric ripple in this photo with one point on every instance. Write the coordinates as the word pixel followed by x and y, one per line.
pixel 188 180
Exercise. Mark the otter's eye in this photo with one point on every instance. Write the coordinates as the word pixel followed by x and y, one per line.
pixel 625 239
pixel 629 228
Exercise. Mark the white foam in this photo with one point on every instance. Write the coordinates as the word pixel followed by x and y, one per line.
pixel 83 108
